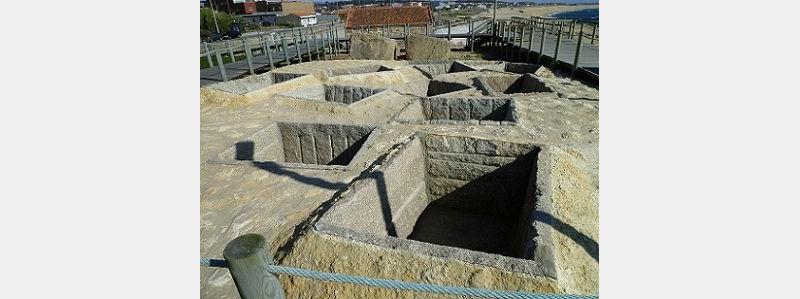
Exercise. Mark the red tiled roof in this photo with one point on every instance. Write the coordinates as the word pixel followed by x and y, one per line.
pixel 388 15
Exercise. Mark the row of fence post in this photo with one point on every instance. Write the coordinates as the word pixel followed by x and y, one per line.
pixel 511 34
pixel 328 39
pixel 507 34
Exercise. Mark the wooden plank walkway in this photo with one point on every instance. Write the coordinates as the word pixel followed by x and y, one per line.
pixel 260 62
pixel 589 56
pixel 515 48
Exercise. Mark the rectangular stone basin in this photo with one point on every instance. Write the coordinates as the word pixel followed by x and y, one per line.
pixel 453 197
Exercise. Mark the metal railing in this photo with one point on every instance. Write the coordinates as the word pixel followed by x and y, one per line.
pixel 325 39
pixel 511 32
pixel 328 39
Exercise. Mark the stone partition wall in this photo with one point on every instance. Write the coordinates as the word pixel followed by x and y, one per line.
pixel 451 110
pixel 388 201
pixel 436 87
pixel 522 68
pixel 348 94
pixel 325 144
pixel 247 84
pixel 364 69
pixel 511 84
pixel 433 68
pixel 301 143
pixel 463 109
pixel 281 77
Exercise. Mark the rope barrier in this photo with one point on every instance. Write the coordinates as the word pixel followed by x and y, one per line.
pixel 403 285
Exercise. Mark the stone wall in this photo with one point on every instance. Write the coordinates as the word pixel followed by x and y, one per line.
pixel 419 47
pixel 348 94
pixel 436 87
pixel 326 144
pixel 464 109
pixel 510 84
pixel 281 77
pixel 388 201
pixel 485 175
pixel 370 46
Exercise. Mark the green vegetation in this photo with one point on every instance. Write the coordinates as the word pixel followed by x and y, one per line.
pixel 224 21
pixel 225 59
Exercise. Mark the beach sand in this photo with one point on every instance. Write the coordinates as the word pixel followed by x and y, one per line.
pixel 534 11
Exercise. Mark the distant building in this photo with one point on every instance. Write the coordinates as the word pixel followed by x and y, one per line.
pixel 270 12
pixel 296 21
pixel 262 18
pixel 358 17
pixel 236 7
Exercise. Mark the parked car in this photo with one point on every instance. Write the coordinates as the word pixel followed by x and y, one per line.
pixel 214 37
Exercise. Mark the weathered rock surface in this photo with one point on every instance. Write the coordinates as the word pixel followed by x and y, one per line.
pixel 286 203
pixel 419 47
pixel 370 46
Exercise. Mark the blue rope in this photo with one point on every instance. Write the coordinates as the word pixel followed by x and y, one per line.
pixel 402 285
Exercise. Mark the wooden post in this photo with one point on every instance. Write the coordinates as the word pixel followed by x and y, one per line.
pixel 285 50
pixel 308 44
pixel 594 31
pixel 504 35
pixel 221 66
pixel 336 40
pixel 580 32
pixel 208 54
pixel 572 30
pixel 541 46
pixel 323 38
pixel 471 35
pixel 508 45
pixel 230 51
pixel 577 56
pixel 331 43
pixel 268 52
pixel 297 45
pixel 448 30
pixel 248 257
pixel 558 45
pixel 521 42
pixel 316 45
pixel 249 57
pixel 530 45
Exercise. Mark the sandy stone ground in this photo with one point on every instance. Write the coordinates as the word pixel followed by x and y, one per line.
pixel 283 203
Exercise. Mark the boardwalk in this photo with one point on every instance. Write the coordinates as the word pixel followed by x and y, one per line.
pixel 513 46
pixel 261 61
pixel 589 58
